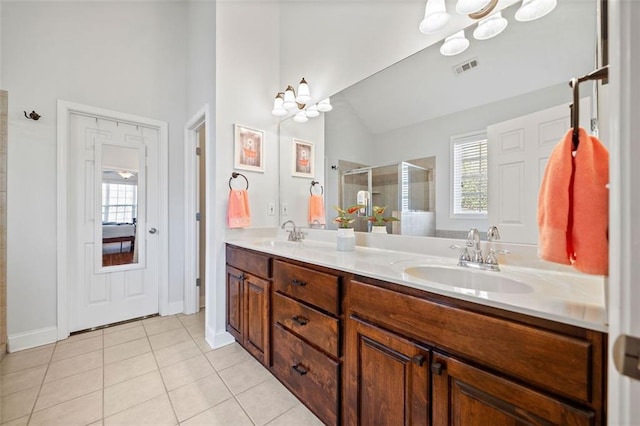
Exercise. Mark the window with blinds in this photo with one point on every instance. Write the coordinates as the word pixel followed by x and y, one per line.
pixel 119 202
pixel 469 176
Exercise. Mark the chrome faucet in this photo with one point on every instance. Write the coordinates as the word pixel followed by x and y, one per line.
pixel 471 254
pixel 295 234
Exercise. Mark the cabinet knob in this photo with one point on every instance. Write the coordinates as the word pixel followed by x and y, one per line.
pixel 418 360
pixel 299 320
pixel 298 368
pixel 298 283
pixel 437 368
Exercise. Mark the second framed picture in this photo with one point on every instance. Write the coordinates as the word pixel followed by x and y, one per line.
pixel 302 154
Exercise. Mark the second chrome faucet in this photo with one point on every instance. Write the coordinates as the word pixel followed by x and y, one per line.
pixel 471 255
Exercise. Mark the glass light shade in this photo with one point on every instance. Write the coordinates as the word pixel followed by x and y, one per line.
pixel 490 27
pixel 465 7
pixel 289 98
pixel 435 17
pixel 455 44
pixel 325 105
pixel 312 111
pixel 303 92
pixel 278 109
pixel 534 9
pixel 300 117
pixel 125 174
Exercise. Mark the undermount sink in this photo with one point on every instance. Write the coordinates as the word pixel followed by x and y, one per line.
pixel 492 282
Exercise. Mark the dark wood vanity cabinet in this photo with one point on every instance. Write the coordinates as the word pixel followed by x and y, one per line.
pixel 249 301
pixel 359 351
pixel 481 368
pixel 307 336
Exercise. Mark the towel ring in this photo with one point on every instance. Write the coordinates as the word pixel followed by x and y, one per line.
pixel 235 175
pixel 314 183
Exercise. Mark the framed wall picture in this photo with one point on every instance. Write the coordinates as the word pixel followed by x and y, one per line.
pixel 248 149
pixel 302 154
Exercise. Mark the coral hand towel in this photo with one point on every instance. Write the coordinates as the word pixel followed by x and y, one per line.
pixel 239 215
pixel 573 206
pixel 316 209
pixel 591 207
pixel 554 231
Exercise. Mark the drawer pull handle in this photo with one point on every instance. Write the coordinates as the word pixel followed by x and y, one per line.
pixel 418 360
pixel 298 283
pixel 298 368
pixel 437 368
pixel 299 320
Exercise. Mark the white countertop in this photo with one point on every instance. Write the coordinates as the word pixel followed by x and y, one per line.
pixel 553 292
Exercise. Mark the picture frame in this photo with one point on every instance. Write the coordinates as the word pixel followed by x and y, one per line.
pixel 248 148
pixel 302 155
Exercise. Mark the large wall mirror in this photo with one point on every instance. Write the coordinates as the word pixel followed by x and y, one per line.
pixel 120 195
pixel 413 112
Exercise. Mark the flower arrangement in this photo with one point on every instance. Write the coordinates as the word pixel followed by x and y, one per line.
pixel 377 218
pixel 345 217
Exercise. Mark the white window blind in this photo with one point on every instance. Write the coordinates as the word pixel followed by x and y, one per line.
pixel 469 176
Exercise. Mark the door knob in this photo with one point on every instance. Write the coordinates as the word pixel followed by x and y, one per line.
pixel 153 230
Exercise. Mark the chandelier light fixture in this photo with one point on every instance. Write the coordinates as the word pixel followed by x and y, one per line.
pixel 285 101
pixel 490 25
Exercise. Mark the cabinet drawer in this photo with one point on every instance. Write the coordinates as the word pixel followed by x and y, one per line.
pixel 318 328
pixel 312 376
pixel 250 262
pixel 562 364
pixel 314 287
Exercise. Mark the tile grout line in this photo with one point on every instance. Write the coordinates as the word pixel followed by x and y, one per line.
pixel 166 391
pixel 33 407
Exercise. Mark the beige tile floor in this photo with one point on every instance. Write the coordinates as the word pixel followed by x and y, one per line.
pixel 158 371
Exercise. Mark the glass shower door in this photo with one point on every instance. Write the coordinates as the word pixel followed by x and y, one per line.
pixel 356 182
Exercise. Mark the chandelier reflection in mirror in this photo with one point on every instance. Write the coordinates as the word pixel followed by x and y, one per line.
pixel 288 100
pixel 490 25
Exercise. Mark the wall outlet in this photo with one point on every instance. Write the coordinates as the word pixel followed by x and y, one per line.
pixel 271 210
pixel 284 209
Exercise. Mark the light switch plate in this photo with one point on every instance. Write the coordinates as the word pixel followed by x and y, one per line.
pixel 271 210
pixel 284 209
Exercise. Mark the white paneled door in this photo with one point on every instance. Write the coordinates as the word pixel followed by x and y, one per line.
pixel 113 221
pixel 518 151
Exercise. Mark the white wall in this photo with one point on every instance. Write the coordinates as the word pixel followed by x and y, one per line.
pixel 246 82
pixel 127 56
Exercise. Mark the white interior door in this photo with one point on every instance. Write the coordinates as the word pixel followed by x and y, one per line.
pixel 518 151
pixel 113 243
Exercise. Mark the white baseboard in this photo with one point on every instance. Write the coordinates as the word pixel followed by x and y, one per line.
pixel 219 339
pixel 175 308
pixel 31 339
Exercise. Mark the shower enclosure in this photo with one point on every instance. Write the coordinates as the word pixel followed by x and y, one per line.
pixel 408 191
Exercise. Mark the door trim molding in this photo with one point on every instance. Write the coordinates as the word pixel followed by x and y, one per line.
pixel 190 265
pixel 64 110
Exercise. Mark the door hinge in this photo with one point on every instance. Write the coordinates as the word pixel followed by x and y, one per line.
pixel 198 150
pixel 197 282
pixel 198 216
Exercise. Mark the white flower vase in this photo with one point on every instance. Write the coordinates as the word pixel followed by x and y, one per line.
pixel 346 239
pixel 379 229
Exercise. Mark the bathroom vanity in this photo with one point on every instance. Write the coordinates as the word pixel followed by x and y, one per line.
pixel 359 342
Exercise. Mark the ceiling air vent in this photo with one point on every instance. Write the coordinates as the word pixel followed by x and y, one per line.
pixel 466 66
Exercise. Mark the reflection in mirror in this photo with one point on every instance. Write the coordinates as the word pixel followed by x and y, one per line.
pixel 414 108
pixel 120 189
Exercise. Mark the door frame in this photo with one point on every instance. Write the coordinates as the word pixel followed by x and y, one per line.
pixel 203 116
pixel 65 109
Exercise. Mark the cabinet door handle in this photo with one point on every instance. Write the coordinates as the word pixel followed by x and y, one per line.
pixel 437 368
pixel 298 283
pixel 299 320
pixel 298 368
pixel 418 360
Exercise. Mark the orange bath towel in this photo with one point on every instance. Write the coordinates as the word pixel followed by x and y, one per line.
pixel 316 209
pixel 573 214
pixel 238 211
